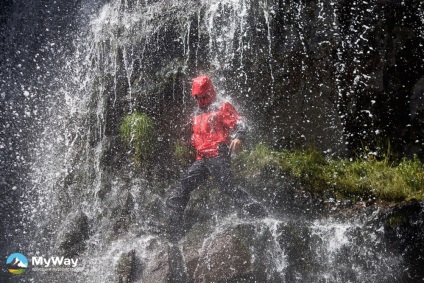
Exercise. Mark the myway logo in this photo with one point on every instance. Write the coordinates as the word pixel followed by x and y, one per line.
pixel 54 261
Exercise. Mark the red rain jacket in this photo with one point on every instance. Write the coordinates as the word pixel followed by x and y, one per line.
pixel 213 127
pixel 212 124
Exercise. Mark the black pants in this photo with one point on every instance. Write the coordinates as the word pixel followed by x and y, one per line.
pixel 197 174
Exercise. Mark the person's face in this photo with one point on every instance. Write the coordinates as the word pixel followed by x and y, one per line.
pixel 202 100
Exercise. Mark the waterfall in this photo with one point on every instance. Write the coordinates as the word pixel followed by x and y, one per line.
pixel 303 73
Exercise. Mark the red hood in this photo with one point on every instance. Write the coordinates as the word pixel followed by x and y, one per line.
pixel 203 85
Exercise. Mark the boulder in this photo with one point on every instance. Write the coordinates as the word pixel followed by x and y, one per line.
pixel 125 268
pixel 228 254
pixel 72 240
pixel 156 269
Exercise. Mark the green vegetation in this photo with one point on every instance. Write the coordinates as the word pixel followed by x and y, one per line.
pixel 361 178
pixel 138 132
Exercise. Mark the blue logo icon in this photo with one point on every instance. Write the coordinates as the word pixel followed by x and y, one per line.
pixel 17 263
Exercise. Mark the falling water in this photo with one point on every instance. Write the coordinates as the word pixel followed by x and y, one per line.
pixel 75 179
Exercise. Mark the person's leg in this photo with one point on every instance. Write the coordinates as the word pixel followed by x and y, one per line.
pixel 196 174
pixel 177 201
pixel 220 168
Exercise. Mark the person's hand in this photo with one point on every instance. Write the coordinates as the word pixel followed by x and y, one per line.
pixel 235 146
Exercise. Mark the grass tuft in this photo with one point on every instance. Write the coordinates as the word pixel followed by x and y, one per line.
pixel 138 132
pixel 365 177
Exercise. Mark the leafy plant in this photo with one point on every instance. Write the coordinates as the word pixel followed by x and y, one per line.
pixel 138 132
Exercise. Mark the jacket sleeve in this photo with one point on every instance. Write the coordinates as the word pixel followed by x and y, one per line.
pixel 232 119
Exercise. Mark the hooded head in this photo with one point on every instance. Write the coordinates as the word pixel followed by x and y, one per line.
pixel 202 89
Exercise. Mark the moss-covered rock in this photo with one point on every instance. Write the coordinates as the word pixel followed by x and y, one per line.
pixel 367 177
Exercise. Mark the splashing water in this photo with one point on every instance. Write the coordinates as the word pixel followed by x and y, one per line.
pixel 132 56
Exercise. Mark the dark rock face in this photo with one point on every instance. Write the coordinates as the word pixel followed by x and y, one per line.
pixel 72 242
pixel 338 75
pixel 224 258
pixel 125 268
pixel 404 230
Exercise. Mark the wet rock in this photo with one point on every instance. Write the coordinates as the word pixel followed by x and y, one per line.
pixel 154 209
pixel 404 231
pixel 73 239
pixel 416 129
pixel 280 193
pixel 156 269
pixel 125 267
pixel 296 241
pixel 178 271
pixel 224 257
pixel 206 203
pixel 238 253
pixel 417 98
pixel 121 224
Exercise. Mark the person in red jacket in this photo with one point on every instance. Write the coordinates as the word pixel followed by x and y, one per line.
pixel 213 122
pixel 217 132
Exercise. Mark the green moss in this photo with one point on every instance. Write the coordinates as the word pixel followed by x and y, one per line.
pixel 138 132
pixel 364 177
